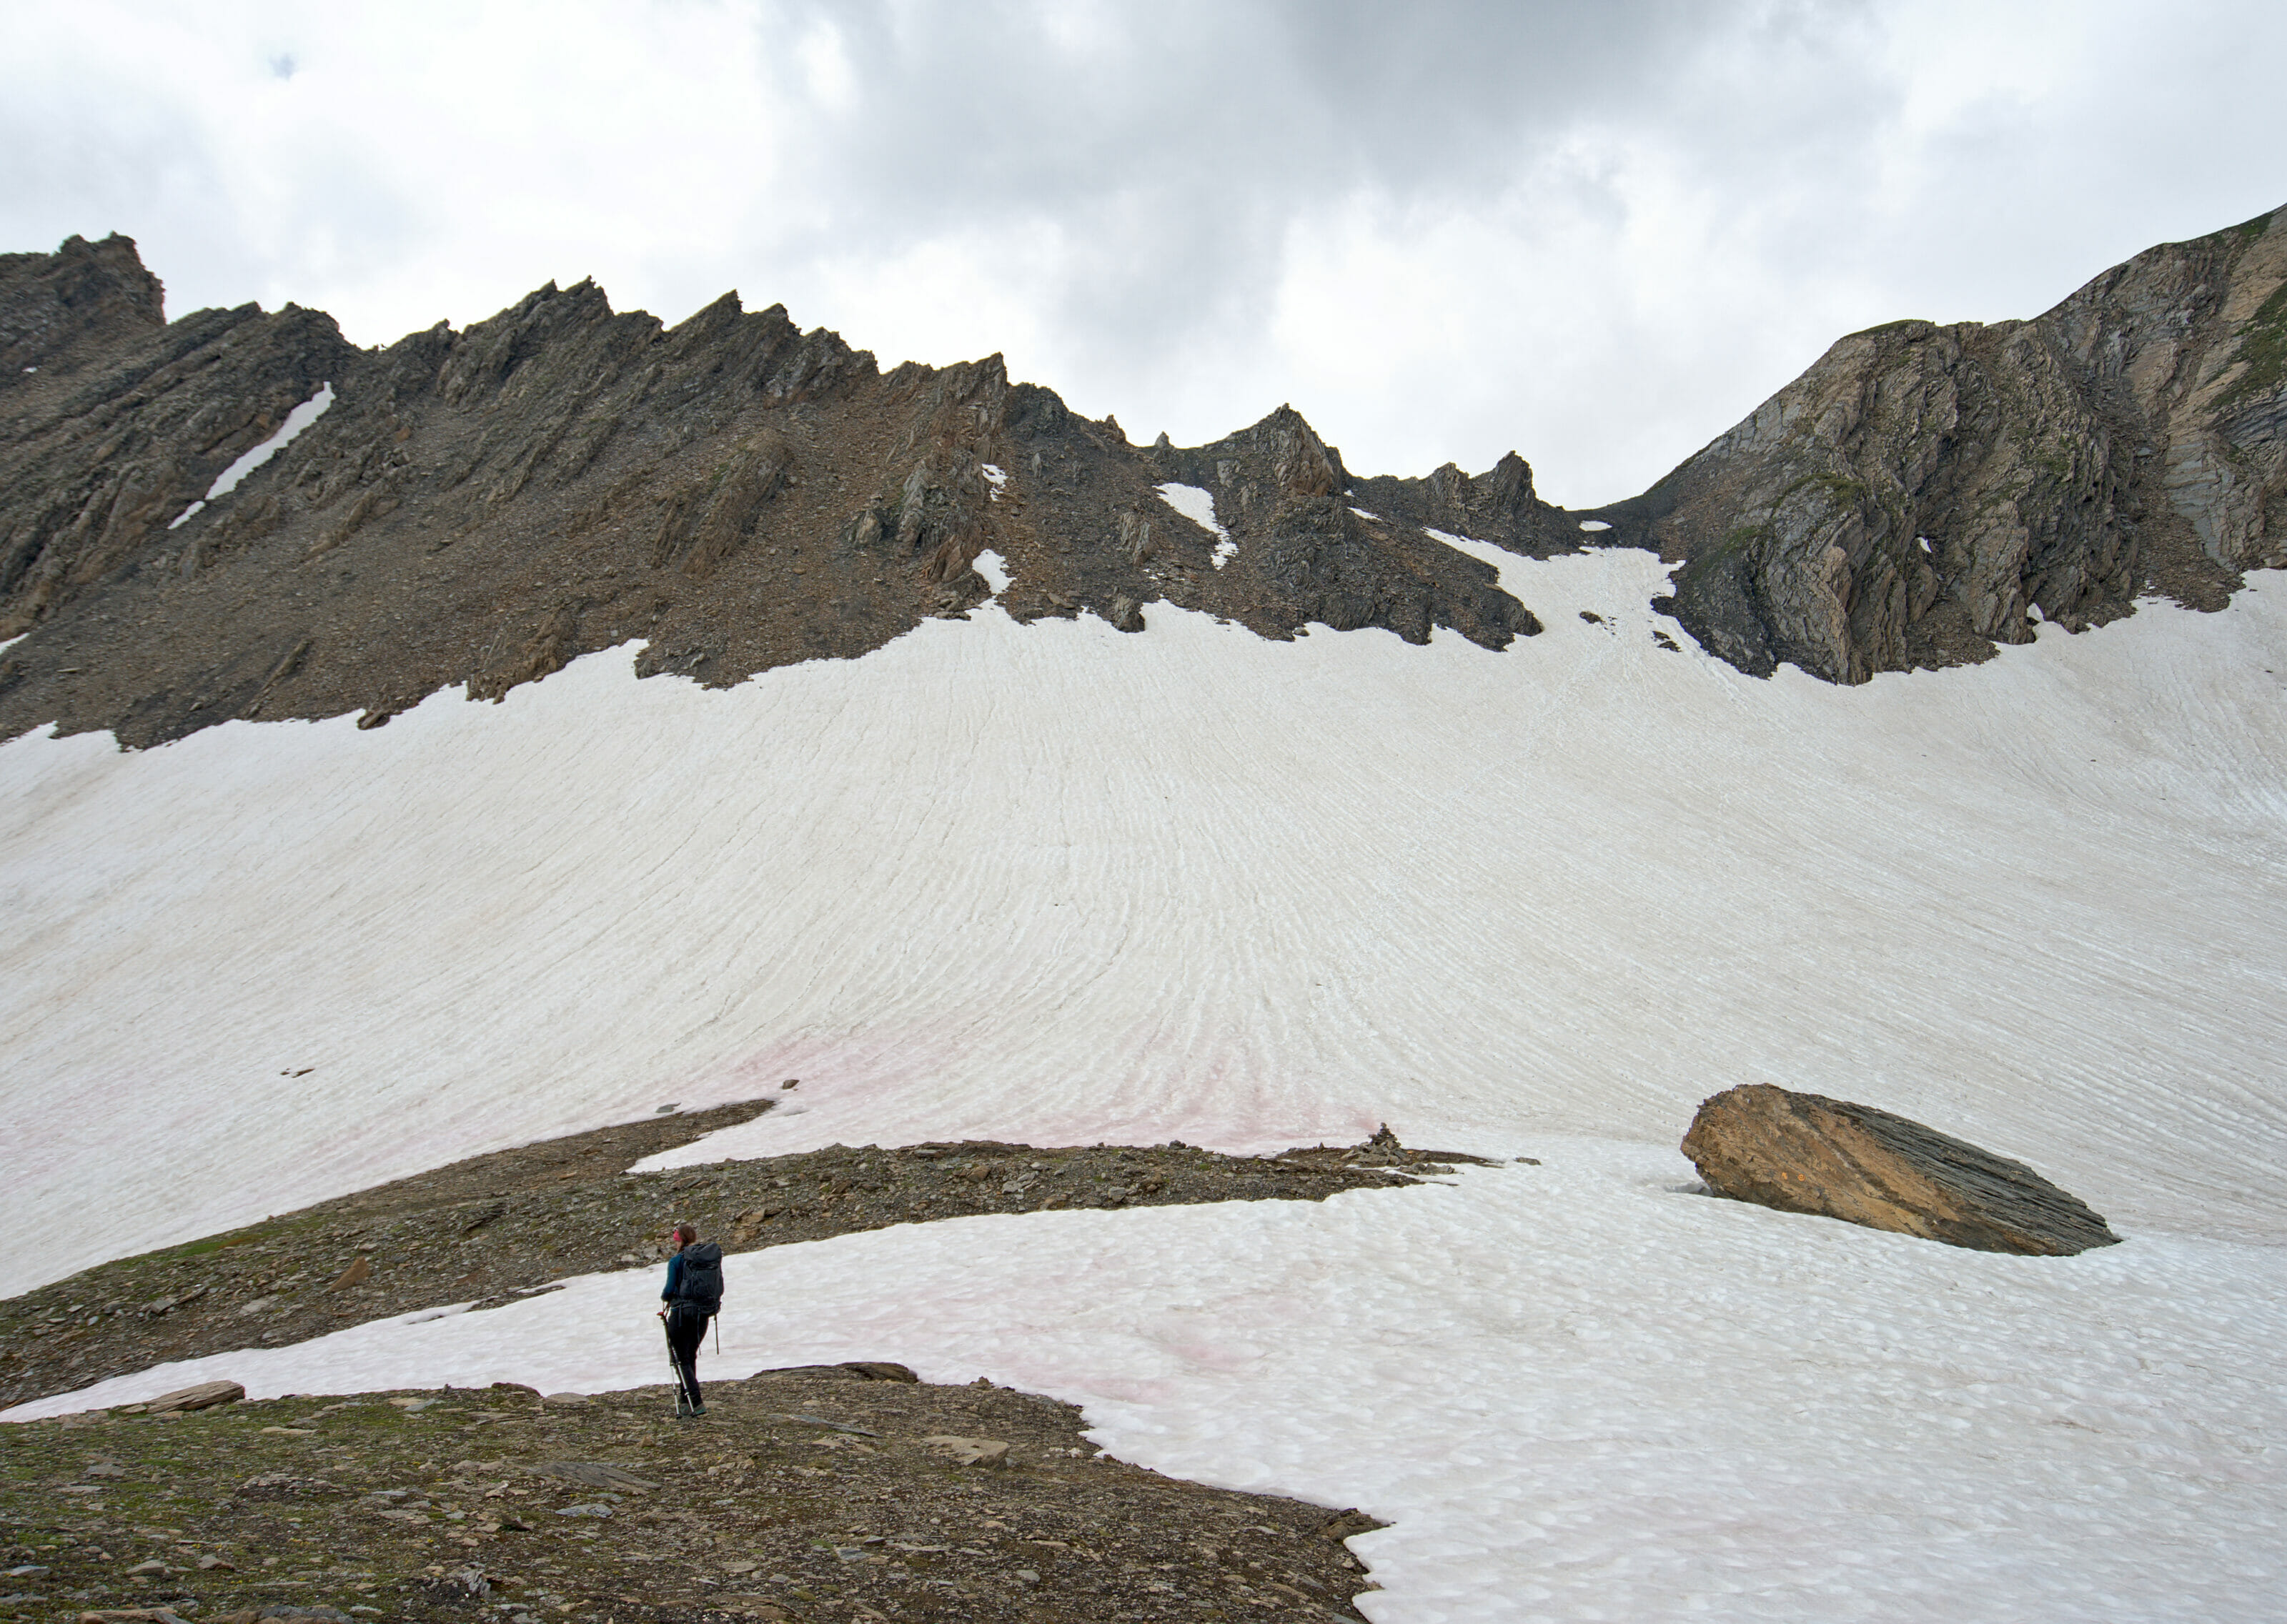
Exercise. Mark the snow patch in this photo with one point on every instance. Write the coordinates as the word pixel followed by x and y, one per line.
pixel 300 418
pixel 1594 524
pixel 1198 506
pixel 1053 884
pixel 995 478
pixel 994 569
pixel 1709 1381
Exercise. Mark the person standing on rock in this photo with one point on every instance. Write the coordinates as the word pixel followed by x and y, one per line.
pixel 692 1295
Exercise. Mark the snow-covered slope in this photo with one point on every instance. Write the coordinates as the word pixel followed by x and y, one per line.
pixel 1053 883
pixel 1049 882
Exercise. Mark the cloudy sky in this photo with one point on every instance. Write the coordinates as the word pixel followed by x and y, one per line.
pixel 1597 232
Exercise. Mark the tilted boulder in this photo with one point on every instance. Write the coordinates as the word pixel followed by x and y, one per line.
pixel 205 1396
pixel 1805 1152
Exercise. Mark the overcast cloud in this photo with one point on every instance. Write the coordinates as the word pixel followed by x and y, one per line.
pixel 1599 234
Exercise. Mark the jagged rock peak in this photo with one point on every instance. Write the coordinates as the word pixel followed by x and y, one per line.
pixel 481 507
pixel 84 294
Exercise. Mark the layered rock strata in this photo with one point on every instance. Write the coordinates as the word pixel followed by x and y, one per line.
pixel 1805 1152
pixel 1923 493
pixel 482 507
pixel 479 508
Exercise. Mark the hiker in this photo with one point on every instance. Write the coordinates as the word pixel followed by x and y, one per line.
pixel 693 1292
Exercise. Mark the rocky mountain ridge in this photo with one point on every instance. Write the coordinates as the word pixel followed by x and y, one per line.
pixel 1923 493
pixel 481 507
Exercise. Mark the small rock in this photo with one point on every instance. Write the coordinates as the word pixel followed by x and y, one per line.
pixel 595 1474
pixel 1805 1152
pixel 970 1451
pixel 880 1370
pixel 356 1274
pixel 205 1396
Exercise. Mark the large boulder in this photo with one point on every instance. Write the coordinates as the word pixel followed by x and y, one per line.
pixel 205 1396
pixel 1805 1152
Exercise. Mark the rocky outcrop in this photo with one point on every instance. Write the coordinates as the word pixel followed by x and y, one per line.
pixel 1923 492
pixel 480 508
pixel 204 1396
pixel 1805 1152
pixel 1498 505
pixel 56 308
pixel 1304 554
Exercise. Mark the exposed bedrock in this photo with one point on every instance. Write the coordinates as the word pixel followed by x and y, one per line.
pixel 1922 492
pixel 1805 1152
pixel 480 508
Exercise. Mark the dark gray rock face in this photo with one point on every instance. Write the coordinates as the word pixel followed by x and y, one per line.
pixel 1305 554
pixel 54 307
pixel 1921 491
pixel 480 508
pixel 1805 1152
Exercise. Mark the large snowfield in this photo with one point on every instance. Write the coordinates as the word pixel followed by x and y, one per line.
pixel 1054 884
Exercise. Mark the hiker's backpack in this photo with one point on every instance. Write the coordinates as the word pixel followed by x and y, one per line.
pixel 700 1282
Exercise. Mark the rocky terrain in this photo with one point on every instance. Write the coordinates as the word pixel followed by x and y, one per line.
pixel 1923 492
pixel 482 507
pixel 498 1227
pixel 479 508
pixel 801 1495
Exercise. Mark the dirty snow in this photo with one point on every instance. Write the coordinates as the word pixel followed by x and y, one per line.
pixel 300 418
pixel 1053 883
pixel 1198 506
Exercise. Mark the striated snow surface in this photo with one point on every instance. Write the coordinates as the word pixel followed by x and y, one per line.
pixel 1053 883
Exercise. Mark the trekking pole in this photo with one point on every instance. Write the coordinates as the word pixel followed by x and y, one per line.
pixel 673 1364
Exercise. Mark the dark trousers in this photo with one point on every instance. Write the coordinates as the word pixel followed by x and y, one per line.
pixel 686 1329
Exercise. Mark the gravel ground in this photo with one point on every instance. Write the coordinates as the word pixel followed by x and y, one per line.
pixel 825 1493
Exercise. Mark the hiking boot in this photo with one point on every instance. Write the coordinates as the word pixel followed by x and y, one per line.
pixel 698 1412
pixel 682 1407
